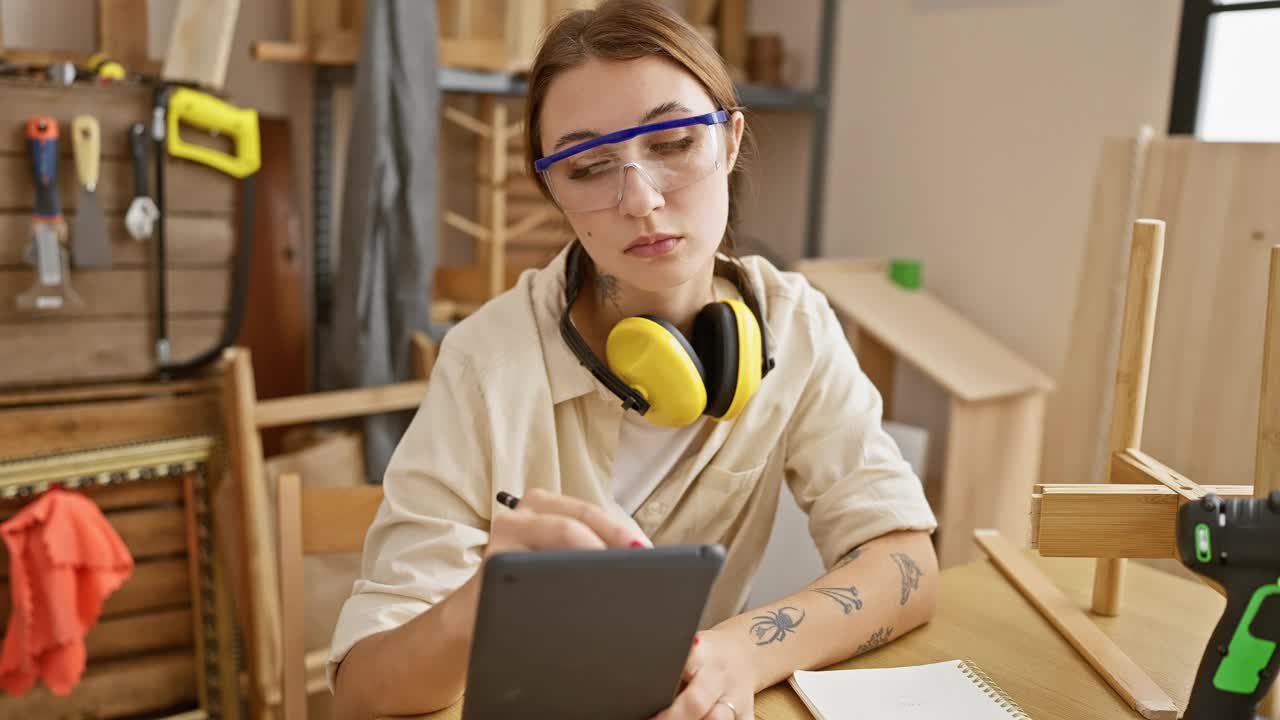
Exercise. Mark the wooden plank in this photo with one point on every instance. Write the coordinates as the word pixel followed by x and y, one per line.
pixel 154 585
pixel 1266 473
pixel 525 20
pixel 146 533
pixel 33 431
pixel 1120 672
pixel 200 42
pixel 1134 467
pixel 423 352
pixel 732 35
pixel 324 17
pixel 115 391
pixel 97 350
pixel 189 187
pixel 122 31
pixel 336 404
pixel 192 541
pixel 116 107
pixel 946 346
pixel 336 519
pixel 138 634
pixel 190 241
pixel 258 583
pixel 125 293
pixel 1202 402
pixel 290 522
pixel 146 684
pixel 1112 520
pixel 336 54
pixel 467 283
pixel 992 462
pixel 139 493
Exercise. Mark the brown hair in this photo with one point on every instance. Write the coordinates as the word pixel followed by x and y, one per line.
pixel 627 30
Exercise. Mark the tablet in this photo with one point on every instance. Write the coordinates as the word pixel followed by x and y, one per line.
pixel 570 634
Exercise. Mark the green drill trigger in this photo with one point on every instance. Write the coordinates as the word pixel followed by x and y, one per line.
pixel 1247 654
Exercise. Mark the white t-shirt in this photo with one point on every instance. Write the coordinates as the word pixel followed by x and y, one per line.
pixel 645 454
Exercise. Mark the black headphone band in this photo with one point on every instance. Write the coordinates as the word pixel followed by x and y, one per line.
pixel 572 286
pixel 631 398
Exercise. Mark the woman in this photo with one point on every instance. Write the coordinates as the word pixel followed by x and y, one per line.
pixel 633 131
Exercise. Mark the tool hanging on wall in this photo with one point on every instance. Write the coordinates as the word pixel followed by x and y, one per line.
pixel 52 289
pixel 89 245
pixel 175 106
pixel 140 218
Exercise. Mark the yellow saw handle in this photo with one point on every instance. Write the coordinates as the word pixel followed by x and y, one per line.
pixel 209 113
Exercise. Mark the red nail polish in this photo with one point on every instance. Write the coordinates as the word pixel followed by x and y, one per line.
pixel 695 639
pixel 637 544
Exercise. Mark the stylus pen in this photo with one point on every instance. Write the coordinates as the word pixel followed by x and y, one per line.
pixel 508 499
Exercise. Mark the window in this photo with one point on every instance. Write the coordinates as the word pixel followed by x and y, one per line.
pixel 1227 82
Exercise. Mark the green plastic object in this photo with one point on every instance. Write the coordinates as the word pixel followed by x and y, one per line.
pixel 1204 547
pixel 905 273
pixel 1247 655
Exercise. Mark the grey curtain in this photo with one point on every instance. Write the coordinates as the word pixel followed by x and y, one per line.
pixel 388 232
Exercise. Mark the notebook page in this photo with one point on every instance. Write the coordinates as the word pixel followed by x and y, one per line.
pixel 922 692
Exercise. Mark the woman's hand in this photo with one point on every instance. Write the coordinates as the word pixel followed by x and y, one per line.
pixel 719 683
pixel 545 521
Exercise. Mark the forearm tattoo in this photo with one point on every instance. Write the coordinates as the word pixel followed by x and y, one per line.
pixel 910 575
pixel 847 597
pixel 853 555
pixel 774 625
pixel 877 639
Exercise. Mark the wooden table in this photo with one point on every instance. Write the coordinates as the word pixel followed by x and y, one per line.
pixel 1163 626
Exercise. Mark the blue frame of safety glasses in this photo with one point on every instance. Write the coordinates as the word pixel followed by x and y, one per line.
pixel 711 118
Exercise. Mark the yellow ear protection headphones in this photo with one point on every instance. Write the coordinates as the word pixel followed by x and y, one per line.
pixel 669 379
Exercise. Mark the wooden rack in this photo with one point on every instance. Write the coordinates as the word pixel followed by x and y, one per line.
pixel 166 633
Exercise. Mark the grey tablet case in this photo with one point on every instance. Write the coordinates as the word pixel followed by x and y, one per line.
pixel 594 634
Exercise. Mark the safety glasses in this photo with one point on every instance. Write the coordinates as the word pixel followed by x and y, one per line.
pixel 668 155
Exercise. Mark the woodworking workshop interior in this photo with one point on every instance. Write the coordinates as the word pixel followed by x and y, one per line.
pixel 639 359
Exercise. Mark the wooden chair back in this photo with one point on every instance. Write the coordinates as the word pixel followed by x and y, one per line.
pixel 257 578
pixel 312 521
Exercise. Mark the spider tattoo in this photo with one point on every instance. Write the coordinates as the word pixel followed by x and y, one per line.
pixel 774 625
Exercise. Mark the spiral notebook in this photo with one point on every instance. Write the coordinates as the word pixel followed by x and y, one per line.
pixel 955 690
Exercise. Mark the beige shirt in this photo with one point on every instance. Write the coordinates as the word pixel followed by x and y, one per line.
pixel 509 407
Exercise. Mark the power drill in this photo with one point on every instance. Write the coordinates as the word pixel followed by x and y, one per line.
pixel 1235 542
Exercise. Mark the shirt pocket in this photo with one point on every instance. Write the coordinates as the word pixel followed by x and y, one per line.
pixel 718 500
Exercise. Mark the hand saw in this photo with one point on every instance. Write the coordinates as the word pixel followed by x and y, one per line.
pixel 174 107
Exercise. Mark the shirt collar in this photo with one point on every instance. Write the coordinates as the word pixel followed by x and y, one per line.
pixel 567 375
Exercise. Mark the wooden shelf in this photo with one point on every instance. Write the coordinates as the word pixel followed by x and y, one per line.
pixel 462 73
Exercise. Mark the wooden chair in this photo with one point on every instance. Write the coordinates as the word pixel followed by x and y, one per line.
pixel 312 521
pixel 250 537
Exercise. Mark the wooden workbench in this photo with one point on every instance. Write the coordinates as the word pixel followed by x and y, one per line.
pixel 981 617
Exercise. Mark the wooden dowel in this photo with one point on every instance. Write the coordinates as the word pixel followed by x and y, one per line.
pixel 1132 371
pixel 338 404
pixel 498 200
pixel 1266 474
pixel 466 122
pixel 473 229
